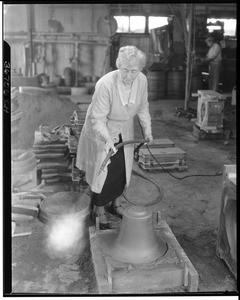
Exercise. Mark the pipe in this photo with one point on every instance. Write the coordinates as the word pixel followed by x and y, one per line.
pixel 70 42
pixel 119 146
pixel 62 33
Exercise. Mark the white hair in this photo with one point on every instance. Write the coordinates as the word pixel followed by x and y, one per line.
pixel 131 55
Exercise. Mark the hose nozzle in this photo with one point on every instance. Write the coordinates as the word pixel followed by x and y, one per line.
pixel 142 142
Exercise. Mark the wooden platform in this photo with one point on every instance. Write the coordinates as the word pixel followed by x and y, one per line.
pixel 172 271
pixel 157 168
pixel 207 135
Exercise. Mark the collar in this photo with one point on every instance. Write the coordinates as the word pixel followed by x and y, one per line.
pixel 123 93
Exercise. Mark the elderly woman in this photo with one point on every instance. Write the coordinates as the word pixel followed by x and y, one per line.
pixel 119 96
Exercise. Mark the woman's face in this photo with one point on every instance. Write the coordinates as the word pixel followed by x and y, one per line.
pixel 129 72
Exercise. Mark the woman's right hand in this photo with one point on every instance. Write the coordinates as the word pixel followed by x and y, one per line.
pixel 109 145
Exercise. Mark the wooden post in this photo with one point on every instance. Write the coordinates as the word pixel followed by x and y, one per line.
pixel 189 42
pixel 31 58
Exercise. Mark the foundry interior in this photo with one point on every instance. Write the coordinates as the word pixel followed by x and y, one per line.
pixel 173 229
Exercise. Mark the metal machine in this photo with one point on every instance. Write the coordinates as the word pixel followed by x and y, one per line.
pixel 227 236
pixel 210 111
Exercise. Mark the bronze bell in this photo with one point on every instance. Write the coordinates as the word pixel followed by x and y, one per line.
pixel 137 241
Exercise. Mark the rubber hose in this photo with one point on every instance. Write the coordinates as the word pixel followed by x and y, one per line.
pixel 119 146
pixel 155 201
pixel 140 141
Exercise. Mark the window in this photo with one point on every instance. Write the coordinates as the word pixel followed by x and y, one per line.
pixel 123 23
pixel 137 24
pixel 131 24
pixel 154 22
pixel 229 26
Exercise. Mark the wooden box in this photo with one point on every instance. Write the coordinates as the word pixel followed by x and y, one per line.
pixel 169 158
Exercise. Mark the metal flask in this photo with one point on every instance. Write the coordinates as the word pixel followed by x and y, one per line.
pixel 137 241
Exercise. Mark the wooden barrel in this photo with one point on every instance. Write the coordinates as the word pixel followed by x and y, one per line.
pixel 196 83
pixel 176 84
pixel 198 68
pixel 156 85
pixel 68 75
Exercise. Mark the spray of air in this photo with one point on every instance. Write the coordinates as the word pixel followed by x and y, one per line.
pixel 66 237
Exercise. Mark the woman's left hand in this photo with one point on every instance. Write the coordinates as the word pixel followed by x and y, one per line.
pixel 110 146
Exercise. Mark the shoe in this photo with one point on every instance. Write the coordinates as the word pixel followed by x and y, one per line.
pixel 102 226
pixel 112 210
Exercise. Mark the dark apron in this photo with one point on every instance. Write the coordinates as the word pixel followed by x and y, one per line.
pixel 115 181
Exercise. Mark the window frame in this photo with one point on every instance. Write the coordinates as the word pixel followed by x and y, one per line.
pixel 146 26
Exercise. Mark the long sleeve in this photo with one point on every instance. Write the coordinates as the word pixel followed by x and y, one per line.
pixel 143 112
pixel 100 111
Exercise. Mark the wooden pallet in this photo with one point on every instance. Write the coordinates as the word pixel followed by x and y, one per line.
pixel 207 135
pixel 172 271
pixel 174 167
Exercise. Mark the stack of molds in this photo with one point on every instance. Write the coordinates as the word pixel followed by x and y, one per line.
pixel 165 152
pixel 54 161
pixel 168 158
pixel 157 143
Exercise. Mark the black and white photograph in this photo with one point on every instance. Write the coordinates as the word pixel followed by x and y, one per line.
pixel 119 149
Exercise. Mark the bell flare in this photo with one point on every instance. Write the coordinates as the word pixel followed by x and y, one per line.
pixel 137 241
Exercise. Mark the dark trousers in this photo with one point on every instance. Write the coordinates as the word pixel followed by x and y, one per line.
pixel 115 181
pixel 214 75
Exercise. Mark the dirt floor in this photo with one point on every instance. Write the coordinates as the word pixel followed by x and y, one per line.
pixel 191 208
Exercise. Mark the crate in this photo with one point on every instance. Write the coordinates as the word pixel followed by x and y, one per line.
pixel 173 271
pixel 210 111
pixel 169 158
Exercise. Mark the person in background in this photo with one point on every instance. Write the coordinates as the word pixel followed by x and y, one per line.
pixel 214 60
pixel 119 96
